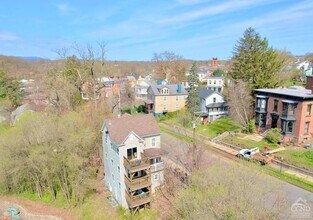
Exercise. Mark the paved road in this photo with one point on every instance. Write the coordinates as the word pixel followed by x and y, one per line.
pixel 292 193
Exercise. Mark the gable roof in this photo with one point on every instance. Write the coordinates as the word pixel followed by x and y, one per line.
pixel 204 93
pixel 156 89
pixel 293 92
pixel 141 125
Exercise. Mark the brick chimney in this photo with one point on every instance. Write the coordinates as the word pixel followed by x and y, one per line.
pixel 309 83
pixel 214 62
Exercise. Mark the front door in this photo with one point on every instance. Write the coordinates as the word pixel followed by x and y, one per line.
pixel 274 120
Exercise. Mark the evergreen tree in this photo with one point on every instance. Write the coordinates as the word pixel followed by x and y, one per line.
pixel 255 62
pixel 193 100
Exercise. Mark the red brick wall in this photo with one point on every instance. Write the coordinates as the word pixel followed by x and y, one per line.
pixel 301 118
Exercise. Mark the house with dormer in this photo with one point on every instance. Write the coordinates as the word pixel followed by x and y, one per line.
pixel 165 98
pixel 132 159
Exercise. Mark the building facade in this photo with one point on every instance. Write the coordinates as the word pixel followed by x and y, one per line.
pixel 213 105
pixel 132 159
pixel 215 83
pixel 165 98
pixel 289 109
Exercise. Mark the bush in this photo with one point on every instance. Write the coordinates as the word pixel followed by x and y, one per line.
pixel 250 127
pixel 126 110
pixel 273 135
pixel 185 119
pixel 139 108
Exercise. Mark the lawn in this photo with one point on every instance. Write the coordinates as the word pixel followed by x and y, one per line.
pixel 239 141
pixel 217 127
pixel 298 157
pixel 211 130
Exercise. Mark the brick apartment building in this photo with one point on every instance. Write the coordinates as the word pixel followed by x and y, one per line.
pixel 287 108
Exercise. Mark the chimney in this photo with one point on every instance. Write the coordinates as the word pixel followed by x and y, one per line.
pixel 309 83
pixel 214 62
pixel 159 82
pixel 179 88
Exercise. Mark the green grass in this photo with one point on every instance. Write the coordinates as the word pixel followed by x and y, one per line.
pixel 245 143
pixel 289 178
pixel 176 135
pixel 298 157
pixel 217 127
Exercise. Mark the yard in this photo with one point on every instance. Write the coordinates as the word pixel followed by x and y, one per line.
pixel 211 130
pixel 298 157
pixel 249 141
pixel 217 127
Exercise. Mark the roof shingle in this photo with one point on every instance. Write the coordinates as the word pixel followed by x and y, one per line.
pixel 142 125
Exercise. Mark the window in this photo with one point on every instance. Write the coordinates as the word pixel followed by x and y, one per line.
pixel 306 127
pixel 214 99
pixel 164 107
pixel 308 110
pixel 290 127
pixel 118 169
pixel 176 98
pixel 214 81
pixel 219 90
pixel 112 162
pixel 177 107
pixel 132 153
pixel 263 103
pixel 153 142
pixel 275 105
pixel 210 82
pixel 220 82
pixel 164 98
pixel 156 176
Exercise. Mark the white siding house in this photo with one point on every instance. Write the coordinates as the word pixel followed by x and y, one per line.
pixel 132 159
pixel 213 105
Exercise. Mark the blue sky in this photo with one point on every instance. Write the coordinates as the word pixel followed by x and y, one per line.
pixel 135 29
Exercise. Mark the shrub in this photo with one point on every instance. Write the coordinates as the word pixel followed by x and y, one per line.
pixel 273 135
pixel 126 110
pixel 250 127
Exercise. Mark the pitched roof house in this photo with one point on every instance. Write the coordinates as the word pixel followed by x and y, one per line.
pixel 213 105
pixel 132 159
pixel 165 98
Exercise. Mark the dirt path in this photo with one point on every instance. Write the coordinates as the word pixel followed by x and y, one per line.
pixel 34 211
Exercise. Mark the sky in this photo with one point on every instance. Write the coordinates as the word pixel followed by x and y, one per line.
pixel 136 29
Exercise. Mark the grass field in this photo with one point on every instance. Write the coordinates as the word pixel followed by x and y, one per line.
pixel 298 157
pixel 217 127
pixel 239 140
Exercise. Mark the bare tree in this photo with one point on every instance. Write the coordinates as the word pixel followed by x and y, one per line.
pixel 240 102
pixel 229 192
pixel 170 66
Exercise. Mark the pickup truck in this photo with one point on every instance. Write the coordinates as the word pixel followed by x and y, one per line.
pixel 254 155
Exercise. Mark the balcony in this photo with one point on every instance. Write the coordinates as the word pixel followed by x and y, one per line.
pixel 135 165
pixel 157 167
pixel 137 200
pixel 138 183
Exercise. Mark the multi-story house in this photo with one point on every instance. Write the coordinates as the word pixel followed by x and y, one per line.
pixel 141 90
pixel 287 108
pixel 213 105
pixel 165 98
pixel 215 83
pixel 132 159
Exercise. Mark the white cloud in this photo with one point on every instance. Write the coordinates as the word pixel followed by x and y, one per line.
pixel 212 10
pixel 6 36
pixel 64 8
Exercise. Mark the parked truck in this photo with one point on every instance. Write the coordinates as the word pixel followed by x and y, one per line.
pixel 255 156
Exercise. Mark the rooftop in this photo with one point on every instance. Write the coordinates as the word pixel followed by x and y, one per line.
pixel 294 91
pixel 142 125
pixel 172 87
pixel 203 93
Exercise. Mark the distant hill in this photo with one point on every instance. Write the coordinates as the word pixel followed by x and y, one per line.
pixel 32 58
